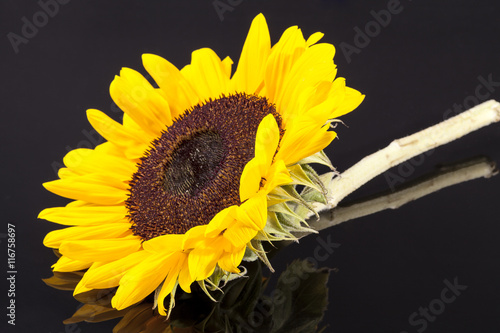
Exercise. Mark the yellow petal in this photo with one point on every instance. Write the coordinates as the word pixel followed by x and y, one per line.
pixel 266 143
pixel 65 173
pixel 108 275
pixel 137 98
pixel 142 279
pixel 252 63
pixel 177 90
pixel 352 99
pixel 75 157
pixel 84 215
pixel 207 74
pixel 164 244
pixel 80 203
pixel 65 264
pixel 115 230
pixel 101 249
pixel 194 237
pixel 250 179
pixel 253 212
pixel 313 96
pixel 220 222
pixel 315 65
pixel 240 234
pixel 314 38
pixel 227 63
pixel 110 148
pixel 81 189
pixel 302 142
pixel 185 280
pixel 248 219
pixel 231 260
pixel 81 288
pixel 277 175
pixel 283 55
pixel 85 161
pixel 132 144
pixel 202 261
pixel 178 267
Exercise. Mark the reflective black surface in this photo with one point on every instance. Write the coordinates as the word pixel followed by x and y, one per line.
pixel 296 303
pixel 430 266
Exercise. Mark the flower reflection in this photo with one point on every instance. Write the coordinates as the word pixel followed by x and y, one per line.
pixel 295 303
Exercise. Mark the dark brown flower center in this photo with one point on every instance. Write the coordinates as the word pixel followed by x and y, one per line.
pixel 192 171
pixel 194 163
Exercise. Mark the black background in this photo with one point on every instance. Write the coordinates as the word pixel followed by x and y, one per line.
pixel 428 58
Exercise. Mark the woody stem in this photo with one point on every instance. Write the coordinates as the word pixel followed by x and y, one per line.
pixel 405 148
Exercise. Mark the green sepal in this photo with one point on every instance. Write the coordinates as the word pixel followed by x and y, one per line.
pixel 156 294
pixel 261 253
pixel 283 208
pixel 172 299
pixel 318 158
pixel 171 295
pixel 313 175
pixel 300 176
pixel 293 225
pixel 203 287
pixel 217 275
pixel 313 196
pixel 289 193
pixel 233 276
pixel 279 195
pixel 212 286
pixel 274 230
pixel 249 255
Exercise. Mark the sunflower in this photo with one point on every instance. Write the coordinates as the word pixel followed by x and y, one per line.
pixel 203 168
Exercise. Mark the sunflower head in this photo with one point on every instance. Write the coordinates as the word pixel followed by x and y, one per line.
pixel 203 169
pixel 193 169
